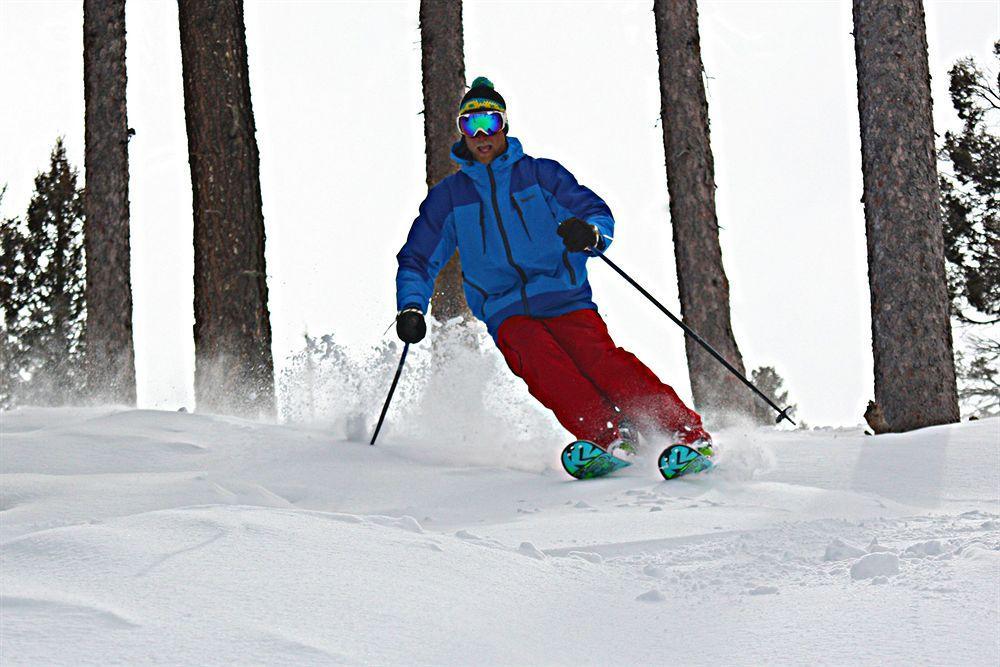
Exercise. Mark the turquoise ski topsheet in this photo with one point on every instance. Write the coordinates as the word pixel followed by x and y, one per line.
pixel 585 460
pixel 679 460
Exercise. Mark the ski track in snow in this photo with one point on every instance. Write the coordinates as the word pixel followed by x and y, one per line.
pixel 137 536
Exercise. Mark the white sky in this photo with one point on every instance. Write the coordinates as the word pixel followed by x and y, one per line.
pixel 340 191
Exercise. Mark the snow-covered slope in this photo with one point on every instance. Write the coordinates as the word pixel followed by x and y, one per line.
pixel 139 536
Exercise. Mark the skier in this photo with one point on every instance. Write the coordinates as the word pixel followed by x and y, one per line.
pixel 524 229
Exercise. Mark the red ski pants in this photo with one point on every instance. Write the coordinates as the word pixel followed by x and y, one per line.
pixel 573 368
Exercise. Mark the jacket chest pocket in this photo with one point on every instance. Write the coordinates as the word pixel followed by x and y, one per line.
pixel 533 214
pixel 543 248
pixel 520 215
pixel 470 227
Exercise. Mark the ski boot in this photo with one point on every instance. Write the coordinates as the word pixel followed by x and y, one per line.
pixel 585 460
pixel 627 444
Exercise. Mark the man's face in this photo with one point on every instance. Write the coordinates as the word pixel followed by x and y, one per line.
pixel 484 148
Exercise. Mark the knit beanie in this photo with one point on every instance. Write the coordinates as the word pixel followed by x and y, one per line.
pixel 482 96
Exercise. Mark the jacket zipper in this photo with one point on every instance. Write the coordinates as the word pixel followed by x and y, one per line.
pixel 521 216
pixel 572 273
pixel 506 242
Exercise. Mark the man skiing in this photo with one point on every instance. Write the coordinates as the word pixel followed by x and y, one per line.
pixel 524 229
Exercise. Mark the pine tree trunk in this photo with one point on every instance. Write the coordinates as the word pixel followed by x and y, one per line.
pixel 443 65
pixel 110 355
pixel 911 332
pixel 701 278
pixel 234 371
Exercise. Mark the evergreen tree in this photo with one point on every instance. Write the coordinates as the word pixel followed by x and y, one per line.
pixel 234 369
pixel 701 278
pixel 766 379
pixel 970 203
pixel 911 333
pixel 42 282
pixel 110 352
pixel 9 237
pixel 979 375
pixel 970 194
pixel 443 67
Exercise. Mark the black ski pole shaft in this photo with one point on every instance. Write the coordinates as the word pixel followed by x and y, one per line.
pixel 392 390
pixel 782 414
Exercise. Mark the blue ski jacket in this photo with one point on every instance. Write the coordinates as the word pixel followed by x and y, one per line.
pixel 502 217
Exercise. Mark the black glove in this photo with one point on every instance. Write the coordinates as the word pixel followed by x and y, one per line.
pixel 578 235
pixel 410 325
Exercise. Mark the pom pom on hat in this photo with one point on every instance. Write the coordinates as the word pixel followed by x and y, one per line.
pixel 481 81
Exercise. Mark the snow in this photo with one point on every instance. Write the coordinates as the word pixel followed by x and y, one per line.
pixel 132 536
pixel 880 564
pixel 839 550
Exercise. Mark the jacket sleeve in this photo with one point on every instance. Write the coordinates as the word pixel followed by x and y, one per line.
pixel 567 199
pixel 430 243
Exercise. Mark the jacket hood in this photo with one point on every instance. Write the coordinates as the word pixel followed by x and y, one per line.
pixel 461 156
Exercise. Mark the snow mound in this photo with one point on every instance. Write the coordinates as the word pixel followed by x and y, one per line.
pixel 881 564
pixel 651 596
pixel 875 547
pixel 840 550
pixel 763 590
pixel 531 551
pixel 924 549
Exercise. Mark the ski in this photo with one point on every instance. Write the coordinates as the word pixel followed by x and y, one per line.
pixel 679 460
pixel 585 460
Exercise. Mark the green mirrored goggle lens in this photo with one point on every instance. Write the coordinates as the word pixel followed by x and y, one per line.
pixel 487 122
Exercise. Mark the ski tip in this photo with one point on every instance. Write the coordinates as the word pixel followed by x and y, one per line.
pixel 583 459
pixel 679 460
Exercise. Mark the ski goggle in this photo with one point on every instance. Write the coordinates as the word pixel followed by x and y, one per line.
pixel 488 122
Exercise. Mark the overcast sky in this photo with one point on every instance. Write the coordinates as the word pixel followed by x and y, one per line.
pixel 336 93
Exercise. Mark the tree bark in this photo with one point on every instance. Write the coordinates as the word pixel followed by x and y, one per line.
pixel 443 65
pixel 234 371
pixel 911 331
pixel 701 278
pixel 110 355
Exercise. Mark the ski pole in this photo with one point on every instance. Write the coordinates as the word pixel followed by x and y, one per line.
pixel 392 389
pixel 782 414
